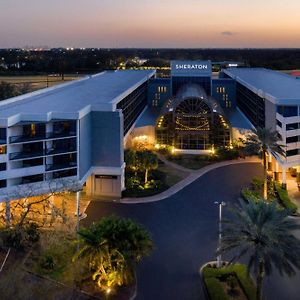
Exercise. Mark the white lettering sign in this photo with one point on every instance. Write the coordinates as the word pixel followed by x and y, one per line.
pixel 191 67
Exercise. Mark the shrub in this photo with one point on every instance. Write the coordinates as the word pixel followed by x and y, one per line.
pixel 21 237
pixel 257 183
pixel 224 153
pixel 215 289
pixel 213 276
pixel 285 199
pixel 249 195
pixel 47 262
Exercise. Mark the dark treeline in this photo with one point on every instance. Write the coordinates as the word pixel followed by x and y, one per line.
pixel 17 61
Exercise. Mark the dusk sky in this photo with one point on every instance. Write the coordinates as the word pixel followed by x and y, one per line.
pixel 150 23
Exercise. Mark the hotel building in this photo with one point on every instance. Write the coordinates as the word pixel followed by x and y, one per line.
pixel 78 130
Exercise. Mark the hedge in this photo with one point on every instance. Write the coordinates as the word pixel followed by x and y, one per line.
pixel 285 199
pixel 214 287
pixel 249 195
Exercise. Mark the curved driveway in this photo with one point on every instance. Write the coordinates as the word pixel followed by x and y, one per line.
pixel 184 229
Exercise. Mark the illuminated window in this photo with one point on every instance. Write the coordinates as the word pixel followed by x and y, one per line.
pixel 2 149
pixel 33 129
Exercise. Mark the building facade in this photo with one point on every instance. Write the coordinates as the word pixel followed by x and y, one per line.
pixel 75 131
pixel 271 99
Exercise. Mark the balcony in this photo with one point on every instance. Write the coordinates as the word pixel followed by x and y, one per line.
pixel 48 135
pixel 53 151
pixel 26 138
pixel 26 154
pixel 60 134
pixel 59 166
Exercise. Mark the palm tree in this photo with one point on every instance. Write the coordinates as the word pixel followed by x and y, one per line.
pixel 112 247
pixel 263 234
pixel 263 141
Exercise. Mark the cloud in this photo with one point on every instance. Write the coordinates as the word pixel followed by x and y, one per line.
pixel 228 33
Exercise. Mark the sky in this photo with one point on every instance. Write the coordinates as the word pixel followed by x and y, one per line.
pixel 150 23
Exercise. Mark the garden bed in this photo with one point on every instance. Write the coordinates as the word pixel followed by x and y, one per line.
pixel 230 282
pixel 55 264
pixel 275 193
pixel 160 180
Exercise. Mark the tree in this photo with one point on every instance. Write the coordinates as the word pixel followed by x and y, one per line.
pixel 130 158
pixel 112 247
pixel 7 90
pixel 147 161
pixel 24 88
pixel 263 141
pixel 264 235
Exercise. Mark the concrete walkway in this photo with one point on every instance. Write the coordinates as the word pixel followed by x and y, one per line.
pixel 194 175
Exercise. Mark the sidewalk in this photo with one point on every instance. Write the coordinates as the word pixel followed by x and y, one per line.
pixel 293 191
pixel 194 175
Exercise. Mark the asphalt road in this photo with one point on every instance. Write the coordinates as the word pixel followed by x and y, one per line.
pixel 184 228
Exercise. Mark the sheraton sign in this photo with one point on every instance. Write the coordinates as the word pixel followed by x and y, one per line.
pixel 191 67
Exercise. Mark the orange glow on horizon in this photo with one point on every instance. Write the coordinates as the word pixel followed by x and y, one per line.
pixel 151 23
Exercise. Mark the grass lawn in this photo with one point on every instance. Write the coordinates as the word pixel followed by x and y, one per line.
pixel 39 81
pixel 173 176
pixel 193 162
pixel 219 287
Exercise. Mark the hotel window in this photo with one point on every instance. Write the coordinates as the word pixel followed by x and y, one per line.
pixel 292 126
pixel 279 123
pixel 292 152
pixel 3 135
pixel 2 166
pixel 2 183
pixel 292 139
pixel 2 149
pixel 287 111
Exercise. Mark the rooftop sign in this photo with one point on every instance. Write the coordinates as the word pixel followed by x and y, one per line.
pixel 190 68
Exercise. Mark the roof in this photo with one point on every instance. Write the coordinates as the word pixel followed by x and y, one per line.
pixel 98 92
pixel 269 84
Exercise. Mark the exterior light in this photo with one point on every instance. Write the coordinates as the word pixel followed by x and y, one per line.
pixel 108 291
pixel 157 146
pixel 220 204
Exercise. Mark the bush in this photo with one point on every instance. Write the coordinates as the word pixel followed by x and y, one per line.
pixel 249 195
pixel 215 289
pixel 224 153
pixel 47 262
pixel 213 277
pixel 257 183
pixel 21 237
pixel 284 199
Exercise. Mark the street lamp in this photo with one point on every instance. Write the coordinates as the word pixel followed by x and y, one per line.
pixel 220 204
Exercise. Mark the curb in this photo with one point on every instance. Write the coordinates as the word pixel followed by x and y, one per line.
pixel 185 182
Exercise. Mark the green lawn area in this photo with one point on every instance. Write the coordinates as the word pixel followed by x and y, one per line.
pixel 219 283
pixel 193 162
pixel 39 81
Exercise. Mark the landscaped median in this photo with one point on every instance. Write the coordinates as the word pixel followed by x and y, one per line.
pixel 227 282
pixel 284 198
pixel 275 193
